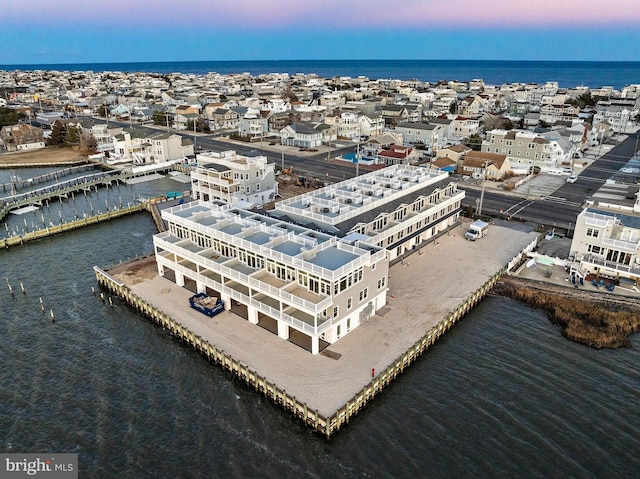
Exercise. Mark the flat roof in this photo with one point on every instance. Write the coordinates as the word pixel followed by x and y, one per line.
pixel 334 205
pixel 271 237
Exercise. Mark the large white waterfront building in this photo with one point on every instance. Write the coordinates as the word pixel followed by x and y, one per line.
pixel 233 178
pixel 397 208
pixel 316 267
pixel 308 287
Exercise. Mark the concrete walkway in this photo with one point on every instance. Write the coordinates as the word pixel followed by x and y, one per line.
pixel 422 292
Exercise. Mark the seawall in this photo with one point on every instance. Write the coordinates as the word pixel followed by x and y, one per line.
pixel 428 294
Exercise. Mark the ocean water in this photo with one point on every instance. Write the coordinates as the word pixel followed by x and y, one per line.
pixel 501 395
pixel 497 72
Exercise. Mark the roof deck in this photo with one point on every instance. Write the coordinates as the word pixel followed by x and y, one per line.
pixel 337 203
pixel 300 247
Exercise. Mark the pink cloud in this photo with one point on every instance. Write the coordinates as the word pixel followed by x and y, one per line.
pixel 325 14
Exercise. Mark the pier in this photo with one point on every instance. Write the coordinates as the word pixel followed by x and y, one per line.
pixel 84 184
pixel 71 225
pixel 51 176
pixel 429 293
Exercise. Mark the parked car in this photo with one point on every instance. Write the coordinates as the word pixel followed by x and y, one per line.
pixel 572 179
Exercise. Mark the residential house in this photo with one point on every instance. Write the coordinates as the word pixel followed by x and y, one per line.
pixel 491 166
pixel 185 121
pixel 398 155
pixel 526 149
pixel 278 121
pixel 444 164
pixel 169 147
pixel 447 136
pixel 22 137
pixel 301 135
pixel 253 125
pixel 606 244
pixel 234 179
pixel 454 153
pixel 132 145
pixel 551 113
pixel 464 127
pixel 371 124
pixel 349 126
pixel 104 136
pixel 373 146
pixel 428 134
pixel 414 112
pixel 394 114
pixel 618 116
pixel 223 119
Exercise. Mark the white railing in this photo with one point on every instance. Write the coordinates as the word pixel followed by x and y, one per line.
pixel 620 244
pixel 246 299
pixel 265 288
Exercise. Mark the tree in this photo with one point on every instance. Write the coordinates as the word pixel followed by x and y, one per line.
pixel 474 141
pixel 159 118
pixel 289 94
pixel 200 125
pixel 9 117
pixel 583 100
pixel 63 134
pixel 88 143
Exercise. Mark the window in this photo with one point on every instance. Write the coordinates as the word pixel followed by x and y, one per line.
pixel 594 249
pixel 348 324
pixel 364 294
pixel 338 331
pixel 381 282
pixel 335 311
pixel 349 303
pixel 593 232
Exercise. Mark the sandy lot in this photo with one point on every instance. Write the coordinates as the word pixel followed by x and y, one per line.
pixel 43 156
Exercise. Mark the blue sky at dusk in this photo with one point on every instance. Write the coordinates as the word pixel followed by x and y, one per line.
pixel 79 31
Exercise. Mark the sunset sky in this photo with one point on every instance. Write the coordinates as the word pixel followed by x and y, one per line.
pixel 78 31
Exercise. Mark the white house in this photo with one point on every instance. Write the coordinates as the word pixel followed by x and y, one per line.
pixel 233 178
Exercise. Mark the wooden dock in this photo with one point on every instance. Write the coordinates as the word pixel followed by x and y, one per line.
pixel 71 225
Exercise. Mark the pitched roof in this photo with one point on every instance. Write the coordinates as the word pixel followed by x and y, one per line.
pixel 396 151
pixel 478 159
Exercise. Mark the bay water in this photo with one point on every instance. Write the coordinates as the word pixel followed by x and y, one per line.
pixel 501 395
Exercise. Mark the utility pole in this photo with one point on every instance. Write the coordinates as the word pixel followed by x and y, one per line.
pixel 484 180
pixel 195 140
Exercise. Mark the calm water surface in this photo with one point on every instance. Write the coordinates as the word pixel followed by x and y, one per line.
pixel 502 395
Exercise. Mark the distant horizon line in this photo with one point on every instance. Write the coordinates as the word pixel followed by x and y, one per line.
pixel 314 60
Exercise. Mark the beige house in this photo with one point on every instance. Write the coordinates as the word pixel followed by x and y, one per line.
pixel 491 166
pixel 454 153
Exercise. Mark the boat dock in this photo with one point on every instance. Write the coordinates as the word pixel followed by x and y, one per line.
pixel 85 184
pixel 429 292
pixel 19 240
pixel 18 182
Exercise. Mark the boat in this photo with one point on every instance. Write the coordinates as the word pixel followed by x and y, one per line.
pixel 209 305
